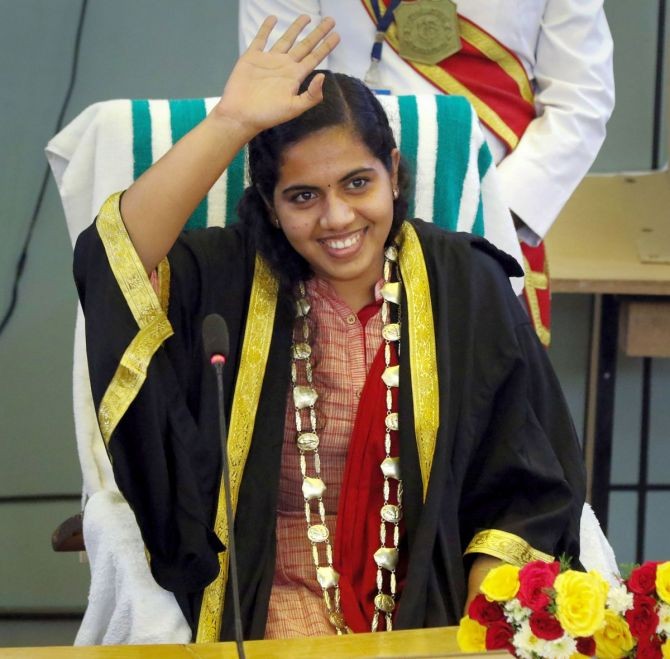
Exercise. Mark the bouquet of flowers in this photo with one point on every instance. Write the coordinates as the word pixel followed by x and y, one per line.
pixel 547 610
pixel 540 610
pixel 638 609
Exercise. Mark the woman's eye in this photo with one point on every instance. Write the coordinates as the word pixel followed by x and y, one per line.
pixel 303 197
pixel 358 183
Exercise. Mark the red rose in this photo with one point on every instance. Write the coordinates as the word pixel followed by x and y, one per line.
pixel 586 645
pixel 642 579
pixel 649 648
pixel 535 580
pixel 499 636
pixel 642 618
pixel 545 626
pixel 485 612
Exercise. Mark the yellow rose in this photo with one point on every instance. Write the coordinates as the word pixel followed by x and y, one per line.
pixel 580 602
pixel 471 636
pixel 665 648
pixel 501 583
pixel 613 639
pixel 579 655
pixel 663 581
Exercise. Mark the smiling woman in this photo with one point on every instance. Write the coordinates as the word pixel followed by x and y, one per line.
pixel 334 203
pixel 395 425
pixel 333 181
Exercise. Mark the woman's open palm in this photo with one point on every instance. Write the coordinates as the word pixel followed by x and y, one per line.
pixel 262 90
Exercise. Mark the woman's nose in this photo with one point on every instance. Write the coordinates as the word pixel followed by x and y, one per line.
pixel 337 213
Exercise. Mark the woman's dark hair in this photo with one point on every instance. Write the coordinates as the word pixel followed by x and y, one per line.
pixel 346 101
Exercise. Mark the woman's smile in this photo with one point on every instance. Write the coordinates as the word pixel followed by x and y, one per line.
pixel 342 246
pixel 334 202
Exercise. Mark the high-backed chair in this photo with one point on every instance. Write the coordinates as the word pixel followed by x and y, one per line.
pixel 108 146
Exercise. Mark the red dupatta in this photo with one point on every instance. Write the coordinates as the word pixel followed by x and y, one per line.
pixel 361 498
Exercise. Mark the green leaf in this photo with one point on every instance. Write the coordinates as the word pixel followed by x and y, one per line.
pixel 626 569
pixel 565 562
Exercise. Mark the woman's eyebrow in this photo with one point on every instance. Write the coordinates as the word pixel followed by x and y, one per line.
pixel 299 186
pixel 348 175
pixel 355 172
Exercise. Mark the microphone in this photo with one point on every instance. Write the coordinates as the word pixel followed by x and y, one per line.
pixel 216 345
pixel 215 338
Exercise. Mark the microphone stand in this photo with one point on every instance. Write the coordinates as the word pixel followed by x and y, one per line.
pixel 218 362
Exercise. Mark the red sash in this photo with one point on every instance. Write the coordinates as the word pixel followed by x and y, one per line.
pixel 537 292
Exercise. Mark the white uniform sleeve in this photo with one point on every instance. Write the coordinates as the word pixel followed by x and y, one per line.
pixel 574 99
pixel 252 13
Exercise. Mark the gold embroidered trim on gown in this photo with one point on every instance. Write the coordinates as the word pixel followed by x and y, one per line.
pixel 422 352
pixel 148 310
pixel 250 377
pixel 507 547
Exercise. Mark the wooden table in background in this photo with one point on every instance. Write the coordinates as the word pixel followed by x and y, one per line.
pixel 594 248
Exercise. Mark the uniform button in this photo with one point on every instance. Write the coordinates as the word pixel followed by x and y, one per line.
pixel 357 393
pixel 351 319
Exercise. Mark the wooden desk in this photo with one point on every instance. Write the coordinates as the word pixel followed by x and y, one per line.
pixel 426 643
pixel 593 248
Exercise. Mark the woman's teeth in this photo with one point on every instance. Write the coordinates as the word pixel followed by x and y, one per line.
pixel 343 243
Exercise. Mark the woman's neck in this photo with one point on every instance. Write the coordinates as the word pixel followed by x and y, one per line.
pixel 354 296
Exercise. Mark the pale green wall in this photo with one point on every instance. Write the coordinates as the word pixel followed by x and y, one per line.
pixel 180 48
pixel 130 48
pixel 629 132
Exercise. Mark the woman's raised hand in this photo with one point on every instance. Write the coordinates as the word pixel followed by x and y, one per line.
pixel 262 90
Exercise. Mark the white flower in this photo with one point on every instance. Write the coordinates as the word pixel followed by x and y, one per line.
pixel 561 648
pixel 515 613
pixel 526 643
pixel 663 619
pixel 619 599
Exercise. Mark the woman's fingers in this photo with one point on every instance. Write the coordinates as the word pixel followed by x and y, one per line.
pixel 312 59
pixel 315 88
pixel 261 90
pixel 313 94
pixel 312 40
pixel 259 42
pixel 286 41
pixel 315 46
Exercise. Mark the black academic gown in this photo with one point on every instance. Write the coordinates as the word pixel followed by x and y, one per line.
pixel 506 456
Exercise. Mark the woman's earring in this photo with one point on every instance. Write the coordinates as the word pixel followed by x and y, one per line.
pixel 275 220
pixel 395 193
